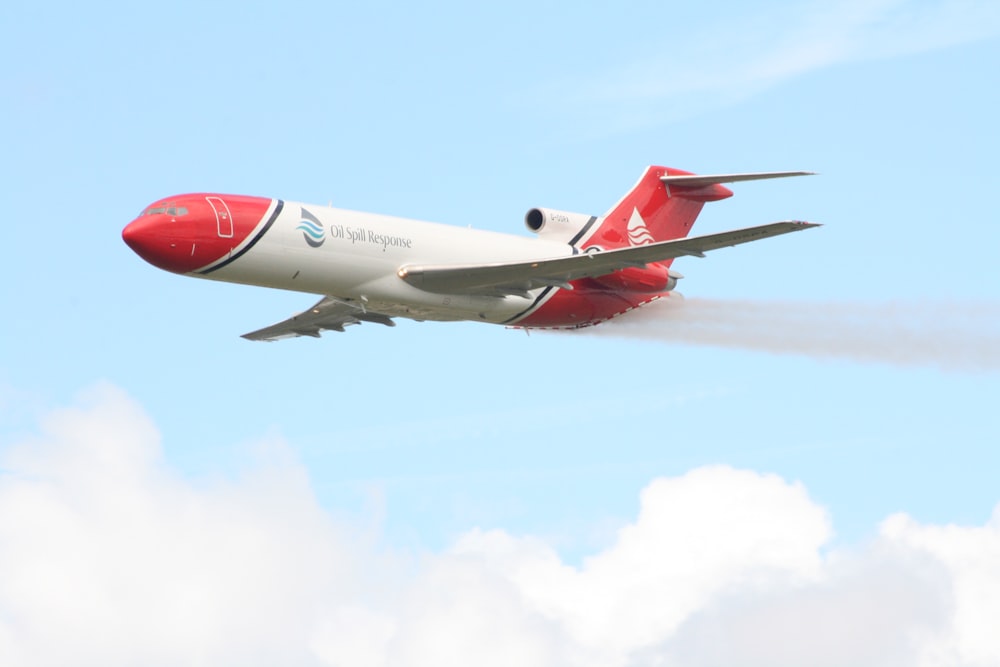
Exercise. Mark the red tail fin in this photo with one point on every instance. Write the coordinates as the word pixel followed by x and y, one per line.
pixel 653 211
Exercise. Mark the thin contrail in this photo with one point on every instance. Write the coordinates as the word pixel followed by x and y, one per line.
pixel 963 336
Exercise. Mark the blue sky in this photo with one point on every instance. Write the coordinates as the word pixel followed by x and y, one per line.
pixel 426 438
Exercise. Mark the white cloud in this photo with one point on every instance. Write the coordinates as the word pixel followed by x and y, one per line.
pixel 876 608
pixel 108 557
pixel 972 557
pixel 688 69
pixel 694 536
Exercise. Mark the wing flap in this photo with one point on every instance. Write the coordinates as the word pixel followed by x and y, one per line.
pixel 329 314
pixel 518 277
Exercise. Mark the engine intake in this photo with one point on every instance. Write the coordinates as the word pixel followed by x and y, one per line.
pixel 556 225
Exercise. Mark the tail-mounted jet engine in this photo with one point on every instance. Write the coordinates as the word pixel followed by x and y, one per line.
pixel 555 225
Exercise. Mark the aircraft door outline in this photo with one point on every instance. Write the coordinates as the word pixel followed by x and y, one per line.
pixel 223 218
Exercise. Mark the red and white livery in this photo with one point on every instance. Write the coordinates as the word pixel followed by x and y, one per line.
pixel 578 270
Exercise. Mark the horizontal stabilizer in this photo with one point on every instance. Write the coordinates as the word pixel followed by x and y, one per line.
pixel 700 181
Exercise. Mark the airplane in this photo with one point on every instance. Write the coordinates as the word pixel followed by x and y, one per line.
pixel 578 270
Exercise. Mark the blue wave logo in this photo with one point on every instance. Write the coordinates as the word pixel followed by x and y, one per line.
pixel 312 231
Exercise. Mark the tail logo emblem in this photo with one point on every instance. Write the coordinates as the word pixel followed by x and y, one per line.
pixel 312 230
pixel 638 233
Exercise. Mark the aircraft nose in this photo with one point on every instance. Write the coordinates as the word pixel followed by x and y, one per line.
pixel 150 238
pixel 136 235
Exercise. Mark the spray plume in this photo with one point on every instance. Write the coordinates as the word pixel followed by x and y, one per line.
pixel 950 336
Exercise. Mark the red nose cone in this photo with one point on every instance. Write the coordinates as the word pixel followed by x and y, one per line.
pixel 152 239
pixel 136 236
pixel 187 233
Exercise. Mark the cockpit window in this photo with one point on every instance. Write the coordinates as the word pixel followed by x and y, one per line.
pixel 169 210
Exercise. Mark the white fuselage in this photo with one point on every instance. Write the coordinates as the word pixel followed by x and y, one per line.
pixel 356 256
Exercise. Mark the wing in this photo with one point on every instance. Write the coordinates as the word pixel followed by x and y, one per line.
pixel 329 314
pixel 519 277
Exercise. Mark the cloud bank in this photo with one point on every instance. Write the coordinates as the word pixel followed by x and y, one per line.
pixel 108 556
